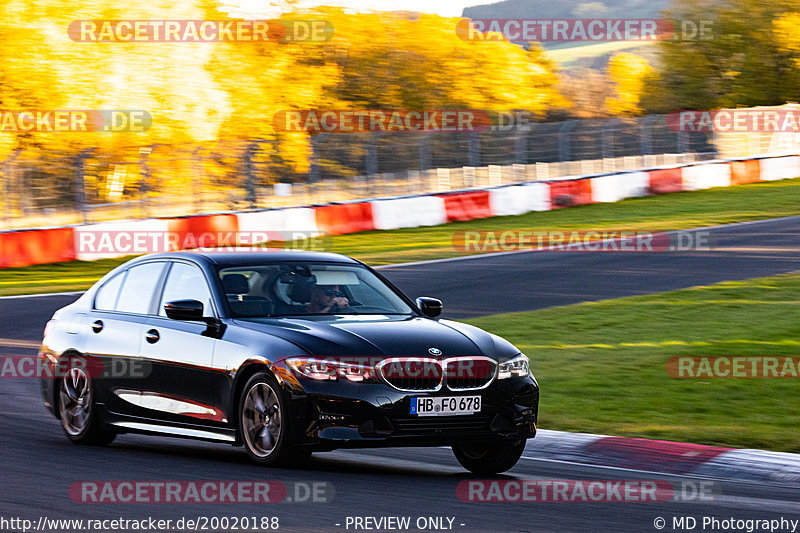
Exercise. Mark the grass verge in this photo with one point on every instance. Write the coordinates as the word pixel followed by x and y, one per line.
pixel 655 213
pixel 602 365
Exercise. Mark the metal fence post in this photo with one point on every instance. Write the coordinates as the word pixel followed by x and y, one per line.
pixel 683 142
pixel 144 184
pixel 608 138
pixel 425 152
pixel 520 147
pixel 564 145
pixel 197 165
pixel 646 134
pixel 314 169
pixel 371 163
pixel 474 149
pixel 80 186
pixel 7 187
pixel 250 174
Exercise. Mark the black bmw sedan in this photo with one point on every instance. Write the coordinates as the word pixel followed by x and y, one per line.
pixel 285 353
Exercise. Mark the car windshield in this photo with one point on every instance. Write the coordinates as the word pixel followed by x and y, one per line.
pixel 306 288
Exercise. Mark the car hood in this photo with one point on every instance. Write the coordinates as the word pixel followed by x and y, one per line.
pixel 382 336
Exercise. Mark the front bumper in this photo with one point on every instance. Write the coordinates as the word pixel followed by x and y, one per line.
pixel 331 415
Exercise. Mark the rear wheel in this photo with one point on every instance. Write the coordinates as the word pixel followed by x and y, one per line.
pixel 76 407
pixel 486 458
pixel 264 422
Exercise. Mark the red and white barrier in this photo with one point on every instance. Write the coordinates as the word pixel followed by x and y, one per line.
pixel 748 171
pixel 411 212
pixel 338 219
pixel 280 224
pixel 211 228
pixel 696 177
pixel 35 247
pixel 467 205
pixel 115 239
pixel 30 247
pixel 665 180
pixel 616 187
pixel 780 168
pixel 519 199
pixel 570 192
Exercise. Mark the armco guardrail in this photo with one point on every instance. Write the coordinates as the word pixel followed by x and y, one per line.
pixel 39 246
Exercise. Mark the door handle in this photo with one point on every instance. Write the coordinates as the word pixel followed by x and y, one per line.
pixel 152 336
pixel 97 326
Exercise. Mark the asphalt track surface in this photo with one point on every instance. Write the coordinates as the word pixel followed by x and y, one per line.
pixel 38 465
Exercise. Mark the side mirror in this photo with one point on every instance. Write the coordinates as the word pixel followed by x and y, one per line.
pixel 184 310
pixel 430 307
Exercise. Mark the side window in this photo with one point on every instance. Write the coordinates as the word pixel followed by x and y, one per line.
pixel 186 282
pixel 106 297
pixel 137 291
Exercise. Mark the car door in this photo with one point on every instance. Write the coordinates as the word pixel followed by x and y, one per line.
pixel 115 333
pixel 180 386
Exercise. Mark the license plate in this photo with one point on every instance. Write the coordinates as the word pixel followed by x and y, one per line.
pixel 445 405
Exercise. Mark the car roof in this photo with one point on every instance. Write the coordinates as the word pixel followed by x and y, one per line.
pixel 226 258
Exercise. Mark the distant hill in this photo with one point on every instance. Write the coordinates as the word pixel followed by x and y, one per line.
pixel 596 55
pixel 549 9
pixel 578 54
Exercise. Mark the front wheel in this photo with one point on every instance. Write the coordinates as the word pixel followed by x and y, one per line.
pixel 264 421
pixel 76 407
pixel 487 458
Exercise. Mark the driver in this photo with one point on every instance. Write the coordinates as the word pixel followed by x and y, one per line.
pixel 326 299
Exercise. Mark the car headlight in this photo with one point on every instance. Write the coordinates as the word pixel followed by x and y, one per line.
pixel 328 370
pixel 516 367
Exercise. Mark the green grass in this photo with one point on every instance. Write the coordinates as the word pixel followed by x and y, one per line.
pixel 602 366
pixel 656 213
pixel 55 277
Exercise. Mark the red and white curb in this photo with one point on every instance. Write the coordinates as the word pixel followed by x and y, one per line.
pixel 665 456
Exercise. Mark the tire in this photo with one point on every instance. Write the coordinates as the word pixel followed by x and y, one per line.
pixel 77 409
pixel 264 421
pixel 487 458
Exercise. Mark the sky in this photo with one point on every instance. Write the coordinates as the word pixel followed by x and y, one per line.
pixel 273 8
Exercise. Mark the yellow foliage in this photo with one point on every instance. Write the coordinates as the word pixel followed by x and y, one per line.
pixel 230 91
pixel 628 72
pixel 786 29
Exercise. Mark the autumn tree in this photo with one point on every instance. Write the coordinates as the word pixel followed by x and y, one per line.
pixel 228 92
pixel 627 72
pixel 377 61
pixel 741 61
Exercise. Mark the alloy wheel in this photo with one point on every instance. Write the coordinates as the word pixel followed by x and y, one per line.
pixel 261 419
